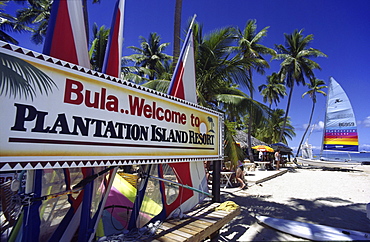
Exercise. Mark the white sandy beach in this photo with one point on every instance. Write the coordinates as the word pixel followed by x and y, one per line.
pixel 333 198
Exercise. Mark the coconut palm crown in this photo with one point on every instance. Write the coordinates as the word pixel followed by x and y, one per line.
pixel 296 63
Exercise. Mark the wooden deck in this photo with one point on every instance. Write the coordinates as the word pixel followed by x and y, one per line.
pixel 203 222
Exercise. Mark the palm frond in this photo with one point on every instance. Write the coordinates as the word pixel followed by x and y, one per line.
pixel 19 78
pixel 159 85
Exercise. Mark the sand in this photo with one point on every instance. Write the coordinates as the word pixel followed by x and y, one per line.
pixel 333 198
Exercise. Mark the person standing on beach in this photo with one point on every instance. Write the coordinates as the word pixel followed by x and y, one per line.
pixel 277 159
pixel 239 175
pixel 260 156
pixel 206 169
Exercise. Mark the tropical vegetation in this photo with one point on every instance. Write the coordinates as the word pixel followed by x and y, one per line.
pixel 98 47
pixel 273 91
pixel 150 55
pixel 315 86
pixel 249 48
pixel 9 24
pixel 36 17
pixel 296 64
pixel 21 79
pixel 226 61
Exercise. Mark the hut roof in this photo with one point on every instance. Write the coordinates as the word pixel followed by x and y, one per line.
pixel 241 138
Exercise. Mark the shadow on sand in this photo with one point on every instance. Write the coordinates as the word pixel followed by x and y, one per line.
pixel 319 211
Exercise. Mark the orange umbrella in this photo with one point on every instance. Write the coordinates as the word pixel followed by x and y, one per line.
pixel 263 148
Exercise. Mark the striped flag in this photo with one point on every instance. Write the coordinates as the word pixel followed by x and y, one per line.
pixel 183 85
pixel 183 80
pixel 66 36
pixel 113 53
pixel 66 40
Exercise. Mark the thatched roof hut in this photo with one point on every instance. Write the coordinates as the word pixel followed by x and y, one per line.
pixel 241 137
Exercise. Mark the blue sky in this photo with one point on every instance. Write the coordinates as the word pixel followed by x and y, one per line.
pixel 340 29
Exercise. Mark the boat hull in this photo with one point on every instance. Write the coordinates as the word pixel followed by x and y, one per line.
pixel 324 163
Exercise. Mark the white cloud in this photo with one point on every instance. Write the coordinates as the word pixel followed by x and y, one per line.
pixel 314 147
pixel 316 127
pixel 365 147
pixel 366 122
pixel 320 125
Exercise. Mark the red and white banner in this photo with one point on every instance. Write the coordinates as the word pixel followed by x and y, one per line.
pixel 66 35
pixel 183 80
pixel 183 85
pixel 113 53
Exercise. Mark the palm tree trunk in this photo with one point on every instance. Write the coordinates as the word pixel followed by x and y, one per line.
pixel 176 31
pixel 86 18
pixel 251 158
pixel 308 126
pixel 286 113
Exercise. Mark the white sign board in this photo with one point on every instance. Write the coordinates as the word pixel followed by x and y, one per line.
pixel 91 119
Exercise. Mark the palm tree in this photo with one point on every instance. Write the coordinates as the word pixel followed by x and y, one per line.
pixel 98 47
pixel 249 47
pixel 315 86
pixel 219 75
pixel 216 72
pixel 273 91
pixel 150 55
pixel 19 77
pixel 37 16
pixel 9 23
pixel 269 130
pixel 296 64
pixel 86 15
pixel 232 150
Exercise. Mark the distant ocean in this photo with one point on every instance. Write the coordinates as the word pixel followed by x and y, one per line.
pixel 353 157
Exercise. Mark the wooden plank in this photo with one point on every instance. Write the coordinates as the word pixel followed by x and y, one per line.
pixel 190 229
pixel 163 239
pixel 170 237
pixel 202 222
pixel 196 231
pixel 206 220
pixel 167 235
pixel 176 231
pixel 203 209
pixel 220 213
pixel 216 215
pixel 219 224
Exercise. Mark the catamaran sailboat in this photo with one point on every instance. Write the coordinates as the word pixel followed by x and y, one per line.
pixel 340 131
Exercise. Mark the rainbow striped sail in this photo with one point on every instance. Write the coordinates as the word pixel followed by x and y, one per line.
pixel 340 132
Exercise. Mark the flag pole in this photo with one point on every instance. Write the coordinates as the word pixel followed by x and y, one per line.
pixel 192 21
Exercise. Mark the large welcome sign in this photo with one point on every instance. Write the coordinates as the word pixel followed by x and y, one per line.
pixel 91 119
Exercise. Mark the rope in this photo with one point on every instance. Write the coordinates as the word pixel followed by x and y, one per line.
pixel 143 233
pixel 182 185
pixel 27 199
